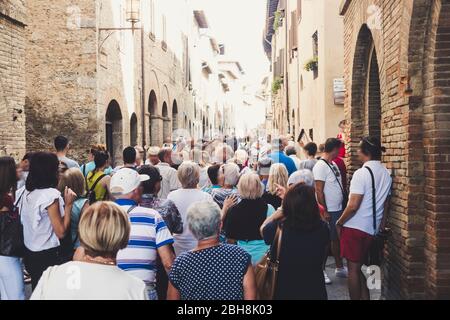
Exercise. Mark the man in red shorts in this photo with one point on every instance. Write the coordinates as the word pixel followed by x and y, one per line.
pixel 360 223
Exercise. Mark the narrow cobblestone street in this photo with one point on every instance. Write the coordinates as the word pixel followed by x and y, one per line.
pixel 185 139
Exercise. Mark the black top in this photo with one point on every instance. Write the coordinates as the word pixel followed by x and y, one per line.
pixel 244 220
pixel 300 275
pixel 274 200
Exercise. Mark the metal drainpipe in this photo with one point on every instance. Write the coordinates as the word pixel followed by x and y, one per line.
pixel 286 79
pixel 143 91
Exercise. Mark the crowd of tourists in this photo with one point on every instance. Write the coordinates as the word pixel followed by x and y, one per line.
pixel 200 220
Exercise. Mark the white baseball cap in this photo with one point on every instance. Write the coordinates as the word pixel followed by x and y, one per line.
pixel 125 181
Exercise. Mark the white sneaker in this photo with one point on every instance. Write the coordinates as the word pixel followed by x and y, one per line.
pixel 327 279
pixel 341 272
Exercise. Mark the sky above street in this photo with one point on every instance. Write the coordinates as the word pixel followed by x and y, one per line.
pixel 239 24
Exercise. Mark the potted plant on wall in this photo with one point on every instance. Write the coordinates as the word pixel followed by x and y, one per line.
pixel 276 84
pixel 312 64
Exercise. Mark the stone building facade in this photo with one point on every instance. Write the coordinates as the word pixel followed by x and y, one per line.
pixel 397 74
pixel 84 66
pixel 12 77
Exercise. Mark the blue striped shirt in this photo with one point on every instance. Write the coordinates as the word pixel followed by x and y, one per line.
pixel 148 233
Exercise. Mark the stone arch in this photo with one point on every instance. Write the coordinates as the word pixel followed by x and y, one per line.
pixel 154 83
pixel 154 119
pixel 166 121
pixel 174 115
pixel 436 142
pixel 133 130
pixel 365 96
pixel 114 131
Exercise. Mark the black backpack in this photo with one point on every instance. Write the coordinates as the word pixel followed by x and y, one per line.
pixel 91 196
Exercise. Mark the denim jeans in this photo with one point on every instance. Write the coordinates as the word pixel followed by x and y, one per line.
pixel 11 279
pixel 152 294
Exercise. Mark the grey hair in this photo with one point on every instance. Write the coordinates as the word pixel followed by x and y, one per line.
pixel 189 174
pixel 302 176
pixel 204 219
pixel 231 174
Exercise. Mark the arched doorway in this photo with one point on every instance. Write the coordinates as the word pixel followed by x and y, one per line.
pixel 133 130
pixel 365 93
pixel 114 130
pixel 154 119
pixel 166 123
pixel 174 115
pixel 373 98
pixel 436 151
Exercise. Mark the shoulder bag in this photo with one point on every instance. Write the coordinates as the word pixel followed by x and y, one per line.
pixel 11 232
pixel 377 248
pixel 344 193
pixel 266 271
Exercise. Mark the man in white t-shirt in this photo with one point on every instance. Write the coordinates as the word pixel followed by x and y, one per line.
pixel 357 226
pixel 170 180
pixel 330 195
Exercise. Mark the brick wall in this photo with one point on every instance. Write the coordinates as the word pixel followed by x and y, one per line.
pixel 411 39
pixel 12 78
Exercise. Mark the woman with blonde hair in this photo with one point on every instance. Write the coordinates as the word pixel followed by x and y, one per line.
pixel 242 221
pixel 74 179
pixel 104 230
pixel 278 177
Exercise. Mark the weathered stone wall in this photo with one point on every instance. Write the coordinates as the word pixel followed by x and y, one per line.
pixel 411 41
pixel 61 64
pixel 12 77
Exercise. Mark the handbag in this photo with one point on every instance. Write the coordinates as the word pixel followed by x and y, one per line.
pixel 344 193
pixel 376 249
pixel 266 271
pixel 11 232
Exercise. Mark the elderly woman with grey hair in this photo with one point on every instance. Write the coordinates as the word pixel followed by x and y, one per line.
pixel 212 271
pixel 189 175
pixel 242 221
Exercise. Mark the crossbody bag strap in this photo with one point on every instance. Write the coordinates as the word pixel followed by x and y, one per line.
pixel 277 244
pixel 374 200
pixel 131 209
pixel 335 175
pixel 96 182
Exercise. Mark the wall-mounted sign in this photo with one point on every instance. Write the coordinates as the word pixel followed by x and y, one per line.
pixel 339 91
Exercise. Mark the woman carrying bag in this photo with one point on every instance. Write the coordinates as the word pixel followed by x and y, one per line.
pixel 11 235
pixel 298 238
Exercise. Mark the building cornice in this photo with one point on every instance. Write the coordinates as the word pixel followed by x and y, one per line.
pixel 344 7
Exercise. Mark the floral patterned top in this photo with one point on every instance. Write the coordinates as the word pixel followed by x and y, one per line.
pixel 167 209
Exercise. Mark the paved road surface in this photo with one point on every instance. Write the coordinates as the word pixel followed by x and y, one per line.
pixel 336 291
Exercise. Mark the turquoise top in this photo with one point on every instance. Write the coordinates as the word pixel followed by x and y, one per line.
pixel 90 166
pixel 75 219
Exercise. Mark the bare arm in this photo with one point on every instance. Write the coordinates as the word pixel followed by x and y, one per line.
pixel 277 216
pixel 59 224
pixel 249 284
pixel 173 293
pixel 167 256
pixel 320 185
pixel 353 205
